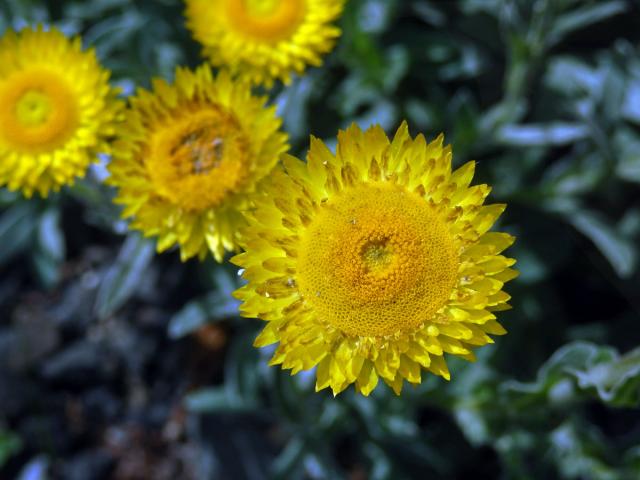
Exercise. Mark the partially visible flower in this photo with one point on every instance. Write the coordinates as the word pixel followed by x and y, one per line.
pixel 265 39
pixel 188 154
pixel 57 110
pixel 374 262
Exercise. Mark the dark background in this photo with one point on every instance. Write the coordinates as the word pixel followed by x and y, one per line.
pixel 116 363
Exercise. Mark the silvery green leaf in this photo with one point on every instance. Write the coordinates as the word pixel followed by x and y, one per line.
pixel 121 279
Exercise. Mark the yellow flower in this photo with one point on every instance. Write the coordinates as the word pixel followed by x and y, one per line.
pixel 57 110
pixel 264 39
pixel 187 156
pixel 374 262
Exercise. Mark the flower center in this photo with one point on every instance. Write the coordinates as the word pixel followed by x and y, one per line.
pixel 38 111
pixel 377 255
pixel 33 109
pixel 377 260
pixel 200 159
pixel 268 20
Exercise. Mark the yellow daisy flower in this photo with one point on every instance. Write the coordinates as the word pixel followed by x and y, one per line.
pixel 374 262
pixel 57 110
pixel 264 39
pixel 187 156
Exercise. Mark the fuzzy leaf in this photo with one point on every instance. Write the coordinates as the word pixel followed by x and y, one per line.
pixel 121 280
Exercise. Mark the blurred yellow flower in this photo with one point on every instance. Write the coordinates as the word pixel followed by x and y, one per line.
pixel 374 262
pixel 57 110
pixel 264 39
pixel 187 156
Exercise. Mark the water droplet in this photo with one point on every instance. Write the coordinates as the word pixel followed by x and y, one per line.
pixel 266 294
pixel 291 282
pixel 240 272
pixel 318 293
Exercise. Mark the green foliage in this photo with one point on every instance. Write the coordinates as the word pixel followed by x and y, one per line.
pixel 215 306
pixel 10 444
pixel 126 273
pixel 545 95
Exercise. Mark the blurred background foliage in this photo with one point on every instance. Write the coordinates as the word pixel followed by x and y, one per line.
pixel 118 363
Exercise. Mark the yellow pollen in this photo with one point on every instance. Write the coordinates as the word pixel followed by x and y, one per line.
pixel 270 20
pixel 377 255
pixel 38 112
pixel 377 260
pixel 33 108
pixel 198 160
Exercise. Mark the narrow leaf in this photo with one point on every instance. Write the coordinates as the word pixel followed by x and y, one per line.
pixel 122 279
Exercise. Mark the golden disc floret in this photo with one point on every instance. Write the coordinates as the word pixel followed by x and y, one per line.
pixel 266 20
pixel 42 113
pixel 376 260
pixel 373 262
pixel 188 155
pixel 198 160
pixel 264 39
pixel 57 110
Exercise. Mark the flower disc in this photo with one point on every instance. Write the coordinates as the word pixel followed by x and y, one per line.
pixel 374 262
pixel 51 124
pixel 187 156
pixel 264 39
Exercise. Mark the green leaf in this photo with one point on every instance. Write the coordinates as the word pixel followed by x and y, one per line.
pixel 17 225
pixel 210 308
pixel 293 105
pixel 616 379
pixel 375 15
pixel 532 267
pixel 580 451
pixel 217 400
pixel 571 76
pixel 613 100
pixel 550 134
pixel 501 114
pixel 10 444
pixel 120 281
pixel 49 252
pixel 627 144
pixel 422 115
pixel 383 113
pixel 575 176
pixel 597 370
pixel 354 94
pixel 631 104
pixel 473 424
pixel 430 14
pixel 36 469
pixel 618 250
pixel 582 17
pixel 240 372
pixel 397 65
pixel 554 371
pixel 629 224
pixel 381 463
pixel 8 198
pixel 112 32
pixel 50 236
pixel 289 459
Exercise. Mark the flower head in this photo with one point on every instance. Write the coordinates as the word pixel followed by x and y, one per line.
pixel 264 39
pixel 188 154
pixel 57 110
pixel 374 262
